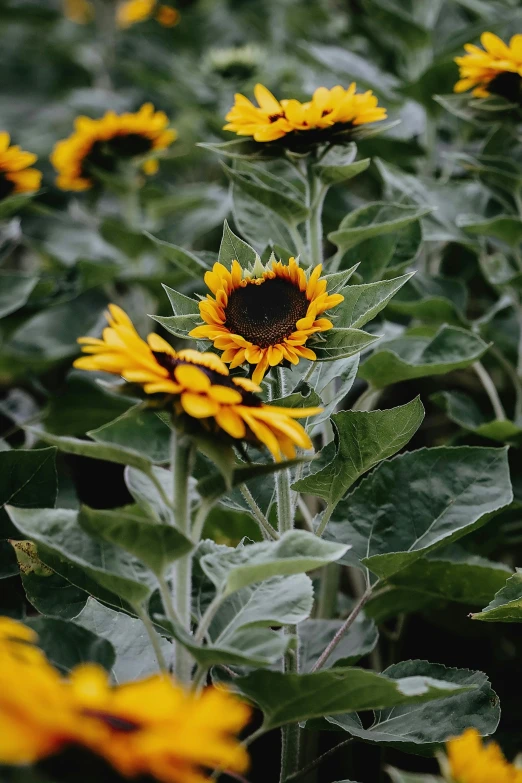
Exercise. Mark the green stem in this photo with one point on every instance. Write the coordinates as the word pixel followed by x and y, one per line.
pixel 181 463
pixel 297 239
pixel 285 507
pixel 316 193
pixel 344 627
pixel 489 388
pixel 207 618
pixel 200 518
pixel 105 17
pixel 515 380
pixel 290 735
pixel 309 767
pixel 308 519
pixel 153 636
pixel 166 599
pixel 327 513
pixel 266 528
pixel 368 399
pixel 329 586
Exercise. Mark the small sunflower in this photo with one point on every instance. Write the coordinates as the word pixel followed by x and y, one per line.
pixel 131 12
pixel 470 761
pixel 329 111
pixel 102 144
pixel 15 174
pixel 496 69
pixel 151 729
pixel 199 383
pixel 265 316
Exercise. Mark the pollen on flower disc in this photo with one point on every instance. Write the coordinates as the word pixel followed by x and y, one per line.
pixel 267 313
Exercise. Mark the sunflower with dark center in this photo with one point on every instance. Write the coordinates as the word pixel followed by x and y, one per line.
pixel 16 176
pixel 328 115
pixel 149 730
pixel 265 316
pixel 494 70
pixel 199 385
pixel 102 145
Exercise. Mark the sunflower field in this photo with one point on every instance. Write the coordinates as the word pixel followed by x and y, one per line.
pixel 260 391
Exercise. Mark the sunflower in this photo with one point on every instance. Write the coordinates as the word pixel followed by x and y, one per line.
pixel 264 316
pixel 101 144
pixel 15 174
pixel 151 728
pixel 200 384
pixel 328 111
pixel 132 11
pixel 495 69
pixel 469 761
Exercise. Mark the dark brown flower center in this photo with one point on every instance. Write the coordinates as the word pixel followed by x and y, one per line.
pixel 169 362
pixel 508 85
pixel 115 722
pixel 6 186
pixel 104 155
pixel 265 314
pixel 275 117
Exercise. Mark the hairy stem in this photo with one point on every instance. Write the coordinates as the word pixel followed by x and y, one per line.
pixel 309 767
pixel 344 628
pixel 316 193
pixel 266 528
pixel 290 735
pixel 285 507
pixel 182 458
pixel 153 636
pixel 489 388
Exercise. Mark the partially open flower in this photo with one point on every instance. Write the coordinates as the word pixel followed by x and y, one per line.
pixel 470 761
pixel 200 384
pixel 102 144
pixel 151 729
pixel 320 119
pixel 265 316
pixel 494 70
pixel 15 174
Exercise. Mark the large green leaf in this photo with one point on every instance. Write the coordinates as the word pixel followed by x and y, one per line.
pixel 282 600
pixel 315 635
pixel 155 544
pixel 506 606
pixel 138 430
pixel 504 227
pixel 232 248
pixel 52 595
pixel 27 479
pixel 187 262
pixel 135 656
pixel 287 207
pixel 89 448
pixel 464 411
pixel 68 645
pixel 362 439
pixel 341 343
pixel 422 728
pixel 339 376
pixel 420 501
pixel 100 568
pixel 144 490
pixel 292 698
pixel 295 552
pixel 15 290
pixel 432 299
pixel 371 220
pixel 411 356
pixel 363 302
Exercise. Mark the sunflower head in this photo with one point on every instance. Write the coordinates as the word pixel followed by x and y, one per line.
pixel 131 12
pixel 469 760
pixel 494 70
pixel 237 63
pixel 265 316
pixel 104 144
pixel 198 387
pixel 330 115
pixel 16 176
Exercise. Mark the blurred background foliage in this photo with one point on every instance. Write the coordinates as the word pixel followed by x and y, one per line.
pixel 64 256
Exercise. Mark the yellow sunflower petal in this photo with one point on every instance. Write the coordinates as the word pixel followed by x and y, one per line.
pixel 199 406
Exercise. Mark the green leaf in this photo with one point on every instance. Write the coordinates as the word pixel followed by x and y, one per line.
pixel 282 600
pixel 499 271
pixel 27 479
pixel 187 262
pixel 286 207
pixel 296 552
pixel 12 204
pixel 67 645
pixel 464 411
pixel 507 228
pixel 135 657
pixel 178 325
pixel 362 439
pixel 371 220
pixel 15 290
pixel 292 698
pixel 411 356
pixel 423 728
pixel 232 248
pixel 155 544
pixel 363 302
pixel 88 448
pixel 242 149
pixel 181 304
pixel 432 299
pixel 506 606
pixel 144 490
pixel 53 595
pixel 420 501
pixel 398 776
pixel 342 343
pixel 339 164
pixel 385 255
pixel 212 486
pixel 138 430
pixel 100 568
pixel 340 375
pixel 315 635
